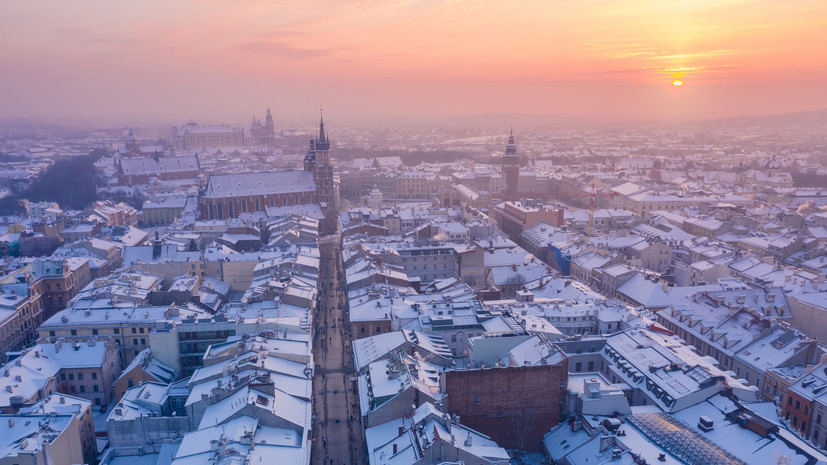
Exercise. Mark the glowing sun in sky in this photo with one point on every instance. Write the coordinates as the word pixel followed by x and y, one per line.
pixel 677 83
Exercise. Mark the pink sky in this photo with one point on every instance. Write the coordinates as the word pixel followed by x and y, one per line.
pixel 160 60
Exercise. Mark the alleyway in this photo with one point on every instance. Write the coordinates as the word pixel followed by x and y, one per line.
pixel 337 430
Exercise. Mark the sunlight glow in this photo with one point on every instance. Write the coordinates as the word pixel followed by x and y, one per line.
pixel 441 52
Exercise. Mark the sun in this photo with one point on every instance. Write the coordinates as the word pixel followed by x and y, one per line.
pixel 677 83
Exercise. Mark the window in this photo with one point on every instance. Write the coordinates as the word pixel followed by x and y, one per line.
pixel 362 330
pixel 95 387
pixel 134 341
pixel 94 375
pixel 134 330
pixel 797 404
pixel 476 400
pixel 94 332
pixel 51 333
pixel 71 376
pixel 578 366
pixel 74 332
pixel 130 382
pixel 789 400
pixel 80 376
pixel 143 341
pixel 378 329
pixel 806 409
pixel 117 330
pixel 63 376
pixel 818 418
pixel 454 338
pixel 141 330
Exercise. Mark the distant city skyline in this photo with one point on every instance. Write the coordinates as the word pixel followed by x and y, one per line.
pixel 214 60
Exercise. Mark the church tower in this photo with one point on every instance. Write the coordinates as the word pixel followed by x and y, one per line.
pixel 310 157
pixel 269 128
pixel 255 128
pixel 266 131
pixel 131 144
pixel 323 172
pixel 511 169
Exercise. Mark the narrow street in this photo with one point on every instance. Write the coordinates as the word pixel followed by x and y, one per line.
pixel 336 429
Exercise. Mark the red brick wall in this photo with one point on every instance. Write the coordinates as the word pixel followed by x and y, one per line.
pixel 371 328
pixel 517 405
pixel 277 200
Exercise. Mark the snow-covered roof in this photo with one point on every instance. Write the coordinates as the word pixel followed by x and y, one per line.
pixel 277 182
pixel 370 349
pixel 152 166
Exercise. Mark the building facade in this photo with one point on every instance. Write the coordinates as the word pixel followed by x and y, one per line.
pixel 513 405
pixel 196 136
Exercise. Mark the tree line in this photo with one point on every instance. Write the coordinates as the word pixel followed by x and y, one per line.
pixel 69 181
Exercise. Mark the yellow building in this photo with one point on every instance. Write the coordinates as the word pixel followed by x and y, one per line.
pixel 163 212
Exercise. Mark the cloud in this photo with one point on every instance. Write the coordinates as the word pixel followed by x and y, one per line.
pixel 286 50
pixel 697 54
pixel 706 74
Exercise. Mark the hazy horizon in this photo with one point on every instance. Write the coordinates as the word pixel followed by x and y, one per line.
pixel 213 60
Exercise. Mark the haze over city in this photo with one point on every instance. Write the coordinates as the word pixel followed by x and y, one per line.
pixel 156 61
pixel 413 232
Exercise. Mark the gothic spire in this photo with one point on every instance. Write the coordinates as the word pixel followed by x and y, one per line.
pixel 511 147
pixel 321 126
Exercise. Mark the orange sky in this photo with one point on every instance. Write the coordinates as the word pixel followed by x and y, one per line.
pixel 160 60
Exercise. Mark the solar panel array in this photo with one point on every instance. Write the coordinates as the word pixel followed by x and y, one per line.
pixel 677 438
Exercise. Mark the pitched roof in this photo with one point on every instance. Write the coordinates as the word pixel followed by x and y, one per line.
pixel 277 182
pixel 152 166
